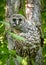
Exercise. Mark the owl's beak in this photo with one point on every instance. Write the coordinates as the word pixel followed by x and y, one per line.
pixel 17 22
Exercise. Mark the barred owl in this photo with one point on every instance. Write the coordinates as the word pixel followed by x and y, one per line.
pixel 22 27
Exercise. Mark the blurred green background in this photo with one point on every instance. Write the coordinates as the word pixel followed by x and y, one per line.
pixel 4 52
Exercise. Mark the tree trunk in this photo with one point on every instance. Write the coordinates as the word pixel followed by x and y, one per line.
pixel 33 16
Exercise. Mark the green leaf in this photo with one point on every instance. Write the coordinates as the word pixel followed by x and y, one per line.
pixel 12 52
pixel 5 23
pixel 11 60
pixel 33 63
pixel 17 37
pixel 19 59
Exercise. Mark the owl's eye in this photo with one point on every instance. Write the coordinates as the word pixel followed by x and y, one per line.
pixel 14 20
pixel 20 19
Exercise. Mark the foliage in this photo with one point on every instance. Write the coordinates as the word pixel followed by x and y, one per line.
pixel 22 9
pixel 5 54
pixel 2 10
pixel 43 16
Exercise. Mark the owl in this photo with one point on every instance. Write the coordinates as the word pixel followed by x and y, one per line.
pixel 20 26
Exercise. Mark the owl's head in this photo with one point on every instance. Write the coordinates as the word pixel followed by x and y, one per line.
pixel 16 20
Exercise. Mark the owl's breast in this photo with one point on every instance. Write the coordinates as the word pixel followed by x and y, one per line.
pixel 24 49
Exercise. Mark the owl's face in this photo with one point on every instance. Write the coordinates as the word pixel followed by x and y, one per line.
pixel 17 20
